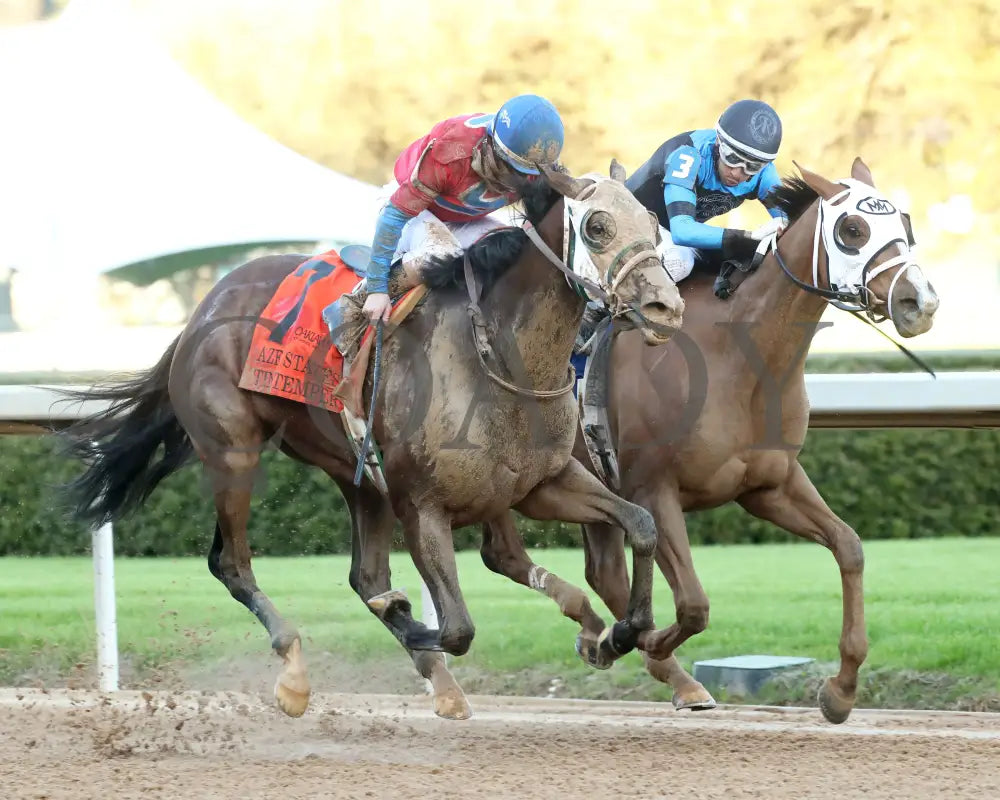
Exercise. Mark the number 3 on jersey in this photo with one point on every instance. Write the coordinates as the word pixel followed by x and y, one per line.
pixel 682 167
pixel 685 166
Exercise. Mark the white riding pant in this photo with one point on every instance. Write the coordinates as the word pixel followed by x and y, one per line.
pixel 678 260
pixel 425 236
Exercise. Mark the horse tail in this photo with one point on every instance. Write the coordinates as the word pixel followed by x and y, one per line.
pixel 121 444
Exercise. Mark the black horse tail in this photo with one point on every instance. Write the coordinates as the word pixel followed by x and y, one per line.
pixel 121 444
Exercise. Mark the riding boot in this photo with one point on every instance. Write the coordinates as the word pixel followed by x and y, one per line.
pixel 347 323
pixel 346 319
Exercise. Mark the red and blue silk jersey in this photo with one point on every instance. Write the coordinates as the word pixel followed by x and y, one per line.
pixel 435 172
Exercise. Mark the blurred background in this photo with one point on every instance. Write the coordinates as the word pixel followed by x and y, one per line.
pixel 150 145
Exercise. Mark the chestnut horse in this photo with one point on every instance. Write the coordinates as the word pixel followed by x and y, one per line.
pixel 720 413
pixel 466 432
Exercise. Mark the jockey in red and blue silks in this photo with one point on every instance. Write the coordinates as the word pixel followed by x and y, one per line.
pixel 702 174
pixel 447 182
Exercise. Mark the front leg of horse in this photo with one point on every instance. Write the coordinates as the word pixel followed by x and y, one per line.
pixel 673 555
pixel 428 535
pixel 503 552
pixel 604 547
pixel 575 495
pixel 797 507
pixel 371 541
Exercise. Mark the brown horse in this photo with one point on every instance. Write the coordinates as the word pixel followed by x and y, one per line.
pixel 721 412
pixel 458 447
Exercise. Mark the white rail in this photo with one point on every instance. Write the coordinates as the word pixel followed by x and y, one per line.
pixel 908 399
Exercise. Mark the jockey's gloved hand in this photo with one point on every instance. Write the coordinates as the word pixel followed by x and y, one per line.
pixel 738 245
pixel 772 226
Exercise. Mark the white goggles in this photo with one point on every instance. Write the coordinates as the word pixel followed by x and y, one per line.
pixel 734 158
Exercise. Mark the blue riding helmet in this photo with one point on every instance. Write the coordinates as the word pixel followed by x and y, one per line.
pixel 752 127
pixel 527 129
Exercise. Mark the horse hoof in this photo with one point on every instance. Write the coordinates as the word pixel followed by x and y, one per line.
pixel 617 640
pixel 835 705
pixel 693 698
pixel 591 653
pixel 451 704
pixel 293 700
pixel 394 599
pixel 424 639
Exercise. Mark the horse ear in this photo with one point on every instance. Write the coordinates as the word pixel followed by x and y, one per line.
pixel 617 171
pixel 823 187
pixel 563 182
pixel 860 172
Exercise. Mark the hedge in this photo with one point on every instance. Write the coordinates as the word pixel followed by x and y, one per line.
pixel 887 484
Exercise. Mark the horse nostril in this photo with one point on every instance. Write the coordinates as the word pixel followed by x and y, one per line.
pixel 908 305
pixel 661 309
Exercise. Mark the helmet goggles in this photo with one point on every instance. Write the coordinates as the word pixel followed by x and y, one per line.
pixel 734 158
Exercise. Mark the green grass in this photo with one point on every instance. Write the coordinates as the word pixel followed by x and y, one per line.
pixel 933 608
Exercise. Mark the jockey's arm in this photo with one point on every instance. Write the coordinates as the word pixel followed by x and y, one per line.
pixel 410 198
pixel 679 197
pixel 388 229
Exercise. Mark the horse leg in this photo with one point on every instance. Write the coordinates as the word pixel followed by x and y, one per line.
pixel 229 561
pixel 673 555
pixel 428 536
pixel 503 552
pixel 372 522
pixel 604 549
pixel 798 507
pixel 575 495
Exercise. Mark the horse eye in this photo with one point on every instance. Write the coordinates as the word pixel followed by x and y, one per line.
pixel 854 228
pixel 601 226
pixel 598 230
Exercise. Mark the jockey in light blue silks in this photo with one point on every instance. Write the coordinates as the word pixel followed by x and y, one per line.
pixel 701 174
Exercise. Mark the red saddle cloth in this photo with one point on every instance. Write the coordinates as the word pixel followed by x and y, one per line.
pixel 291 355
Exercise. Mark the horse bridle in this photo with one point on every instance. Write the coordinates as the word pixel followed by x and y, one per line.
pixel 583 286
pixel 859 299
pixel 859 302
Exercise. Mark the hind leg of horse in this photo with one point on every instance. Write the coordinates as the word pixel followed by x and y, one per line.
pixel 372 522
pixel 604 547
pixel 575 495
pixel 503 552
pixel 798 507
pixel 229 561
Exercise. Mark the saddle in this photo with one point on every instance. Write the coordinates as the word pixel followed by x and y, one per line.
pixel 292 353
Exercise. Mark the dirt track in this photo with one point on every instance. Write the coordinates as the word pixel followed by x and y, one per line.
pixel 192 745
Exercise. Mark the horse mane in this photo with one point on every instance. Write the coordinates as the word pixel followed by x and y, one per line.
pixel 793 196
pixel 495 252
